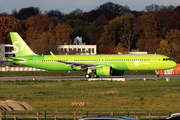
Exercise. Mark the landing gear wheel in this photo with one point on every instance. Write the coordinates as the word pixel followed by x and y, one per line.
pixel 156 76
pixel 95 76
pixel 87 76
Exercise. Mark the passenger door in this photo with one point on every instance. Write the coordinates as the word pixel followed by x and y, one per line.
pixel 35 60
pixel 155 60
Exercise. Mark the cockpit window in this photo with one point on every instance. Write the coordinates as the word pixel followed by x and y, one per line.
pixel 166 59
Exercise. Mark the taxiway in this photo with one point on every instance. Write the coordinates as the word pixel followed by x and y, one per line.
pixel 59 78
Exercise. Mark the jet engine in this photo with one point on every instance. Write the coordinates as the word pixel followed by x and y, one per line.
pixel 104 71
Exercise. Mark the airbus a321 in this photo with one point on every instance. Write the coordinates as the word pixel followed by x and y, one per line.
pixel 95 65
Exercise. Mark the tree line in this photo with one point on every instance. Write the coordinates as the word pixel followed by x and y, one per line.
pixel 112 27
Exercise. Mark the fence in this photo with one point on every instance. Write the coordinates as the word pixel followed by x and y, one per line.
pixel 75 115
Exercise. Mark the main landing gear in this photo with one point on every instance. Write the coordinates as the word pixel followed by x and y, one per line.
pixel 91 73
pixel 89 76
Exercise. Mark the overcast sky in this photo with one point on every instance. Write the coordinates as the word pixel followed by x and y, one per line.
pixel 67 6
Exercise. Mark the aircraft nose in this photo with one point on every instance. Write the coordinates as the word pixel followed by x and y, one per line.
pixel 173 64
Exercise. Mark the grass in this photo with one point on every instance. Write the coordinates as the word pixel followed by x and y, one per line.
pixel 134 95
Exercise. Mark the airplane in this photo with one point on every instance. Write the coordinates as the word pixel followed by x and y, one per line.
pixel 95 65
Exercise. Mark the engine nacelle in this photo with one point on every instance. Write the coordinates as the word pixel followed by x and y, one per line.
pixel 117 72
pixel 104 71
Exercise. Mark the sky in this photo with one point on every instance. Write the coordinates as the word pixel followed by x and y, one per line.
pixel 67 6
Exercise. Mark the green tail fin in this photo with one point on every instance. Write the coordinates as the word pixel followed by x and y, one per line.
pixel 20 47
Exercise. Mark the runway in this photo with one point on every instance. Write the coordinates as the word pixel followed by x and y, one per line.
pixel 59 78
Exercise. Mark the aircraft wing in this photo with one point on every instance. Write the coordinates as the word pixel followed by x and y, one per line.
pixel 77 65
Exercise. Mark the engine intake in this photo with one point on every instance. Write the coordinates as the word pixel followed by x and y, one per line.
pixel 117 72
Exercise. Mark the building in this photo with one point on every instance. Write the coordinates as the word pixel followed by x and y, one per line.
pixel 82 49
pixel 6 52
pixel 78 47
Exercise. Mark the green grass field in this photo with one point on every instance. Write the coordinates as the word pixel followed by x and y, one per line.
pixel 134 95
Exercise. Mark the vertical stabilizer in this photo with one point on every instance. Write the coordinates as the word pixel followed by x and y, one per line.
pixel 20 47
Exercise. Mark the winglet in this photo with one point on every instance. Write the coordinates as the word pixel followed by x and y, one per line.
pixel 91 53
pixel 54 55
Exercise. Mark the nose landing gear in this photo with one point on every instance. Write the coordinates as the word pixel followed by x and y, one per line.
pixel 157 74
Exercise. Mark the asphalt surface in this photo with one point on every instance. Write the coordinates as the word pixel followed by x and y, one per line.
pixel 59 78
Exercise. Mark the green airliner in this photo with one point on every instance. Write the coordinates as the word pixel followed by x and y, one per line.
pixel 95 65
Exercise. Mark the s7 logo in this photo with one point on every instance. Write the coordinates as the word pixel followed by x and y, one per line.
pixel 18 46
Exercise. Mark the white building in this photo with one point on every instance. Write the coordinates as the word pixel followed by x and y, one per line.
pixel 78 46
pixel 82 49
pixel 6 52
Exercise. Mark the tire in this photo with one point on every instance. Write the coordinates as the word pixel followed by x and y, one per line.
pixel 156 76
pixel 95 76
pixel 87 76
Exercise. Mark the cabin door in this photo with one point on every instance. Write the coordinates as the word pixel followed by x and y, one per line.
pixel 35 59
pixel 155 60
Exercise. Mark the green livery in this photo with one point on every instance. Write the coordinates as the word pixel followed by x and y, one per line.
pixel 96 65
